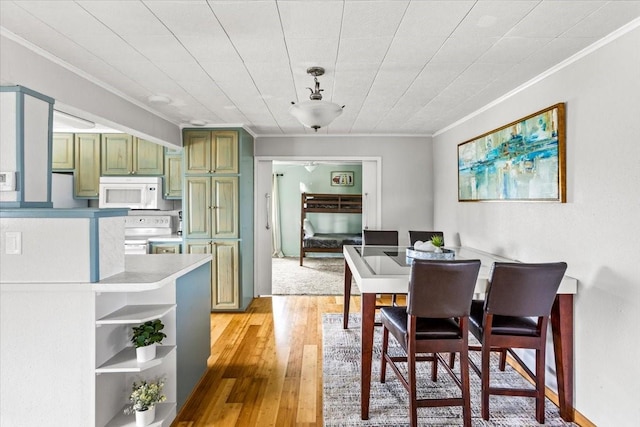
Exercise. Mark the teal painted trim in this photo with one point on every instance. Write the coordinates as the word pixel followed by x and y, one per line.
pixel 49 152
pixel 94 250
pixel 25 205
pixel 30 92
pixel 20 146
pixel 62 213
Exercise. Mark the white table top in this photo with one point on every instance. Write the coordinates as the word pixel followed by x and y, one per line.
pixel 385 269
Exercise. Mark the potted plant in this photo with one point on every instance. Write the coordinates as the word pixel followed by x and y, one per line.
pixel 438 242
pixel 144 398
pixel 145 337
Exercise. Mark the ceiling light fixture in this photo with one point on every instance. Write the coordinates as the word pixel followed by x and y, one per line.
pixel 315 113
pixel 310 167
pixel 197 122
pixel 159 99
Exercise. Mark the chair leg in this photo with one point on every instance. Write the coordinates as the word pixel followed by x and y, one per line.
pixel 540 373
pixel 383 362
pixel 464 378
pixel 413 398
pixel 486 354
pixel 434 368
pixel 452 360
pixel 503 359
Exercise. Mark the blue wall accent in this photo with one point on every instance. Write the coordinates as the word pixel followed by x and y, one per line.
pixel 193 329
pixel 94 250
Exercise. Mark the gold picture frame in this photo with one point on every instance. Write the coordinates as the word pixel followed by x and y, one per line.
pixel 524 160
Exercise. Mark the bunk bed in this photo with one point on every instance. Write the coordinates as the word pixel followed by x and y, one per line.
pixel 311 241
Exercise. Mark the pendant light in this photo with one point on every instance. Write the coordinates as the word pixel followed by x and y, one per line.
pixel 315 113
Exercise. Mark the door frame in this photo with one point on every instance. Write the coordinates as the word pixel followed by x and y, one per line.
pixel 262 245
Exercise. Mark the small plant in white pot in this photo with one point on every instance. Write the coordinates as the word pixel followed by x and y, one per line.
pixel 145 395
pixel 145 337
pixel 438 242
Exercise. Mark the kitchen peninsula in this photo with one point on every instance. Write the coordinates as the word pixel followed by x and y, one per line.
pixel 69 297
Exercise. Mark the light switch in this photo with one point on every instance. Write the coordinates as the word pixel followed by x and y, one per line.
pixel 13 241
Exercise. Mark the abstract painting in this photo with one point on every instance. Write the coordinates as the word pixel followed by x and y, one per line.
pixel 521 161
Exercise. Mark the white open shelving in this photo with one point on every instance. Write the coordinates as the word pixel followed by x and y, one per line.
pixel 125 360
pixel 164 411
pixel 121 366
pixel 131 314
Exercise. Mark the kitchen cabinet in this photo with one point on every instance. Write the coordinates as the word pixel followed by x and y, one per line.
pixel 124 154
pixel 87 165
pixel 172 174
pixel 62 152
pixel 211 152
pixel 164 248
pixel 218 176
pixel 224 271
pixel 212 207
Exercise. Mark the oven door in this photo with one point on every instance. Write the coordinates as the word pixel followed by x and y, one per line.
pixel 135 248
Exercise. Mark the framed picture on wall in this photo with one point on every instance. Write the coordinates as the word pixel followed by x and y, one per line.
pixel 342 179
pixel 521 161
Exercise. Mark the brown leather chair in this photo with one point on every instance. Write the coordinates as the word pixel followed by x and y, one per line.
pixel 423 236
pixel 381 238
pixel 515 314
pixel 439 293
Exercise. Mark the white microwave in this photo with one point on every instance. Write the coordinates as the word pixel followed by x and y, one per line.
pixel 139 192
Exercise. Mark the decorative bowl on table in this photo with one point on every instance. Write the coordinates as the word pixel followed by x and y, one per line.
pixel 418 254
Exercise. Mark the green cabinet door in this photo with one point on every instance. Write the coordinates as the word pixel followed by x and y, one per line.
pixel 225 152
pixel 197 152
pixel 225 293
pixel 116 154
pixel 172 176
pixel 87 162
pixel 164 248
pixel 211 152
pixel 225 207
pixel 148 158
pixel 123 154
pixel 198 203
pixel 62 155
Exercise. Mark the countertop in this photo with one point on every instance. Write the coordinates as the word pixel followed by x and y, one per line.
pixel 141 273
pixel 172 238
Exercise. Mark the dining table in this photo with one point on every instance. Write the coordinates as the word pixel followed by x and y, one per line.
pixel 385 270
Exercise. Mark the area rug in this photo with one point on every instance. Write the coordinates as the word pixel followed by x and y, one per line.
pixel 318 276
pixel 389 401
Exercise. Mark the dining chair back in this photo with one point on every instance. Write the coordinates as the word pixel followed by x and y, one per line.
pixel 515 314
pixel 423 236
pixel 380 237
pixel 434 321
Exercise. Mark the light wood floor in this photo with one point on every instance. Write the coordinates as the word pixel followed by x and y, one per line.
pixel 265 367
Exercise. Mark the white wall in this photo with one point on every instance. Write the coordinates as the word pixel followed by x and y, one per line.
pixel 596 232
pixel 77 95
pixel 407 189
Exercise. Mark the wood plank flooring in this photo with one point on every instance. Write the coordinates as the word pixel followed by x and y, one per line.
pixel 265 367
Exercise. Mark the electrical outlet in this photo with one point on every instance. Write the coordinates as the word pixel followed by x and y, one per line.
pixel 13 241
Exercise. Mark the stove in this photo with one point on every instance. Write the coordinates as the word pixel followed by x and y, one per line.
pixel 139 228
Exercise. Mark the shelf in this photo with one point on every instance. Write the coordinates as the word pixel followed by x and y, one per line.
pixel 164 411
pixel 135 314
pixel 125 360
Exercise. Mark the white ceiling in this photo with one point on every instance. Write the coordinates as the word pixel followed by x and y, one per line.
pixel 400 66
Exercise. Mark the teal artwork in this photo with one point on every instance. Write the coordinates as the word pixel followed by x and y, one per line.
pixel 524 160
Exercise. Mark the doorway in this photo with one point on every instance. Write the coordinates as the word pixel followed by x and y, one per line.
pixel 264 171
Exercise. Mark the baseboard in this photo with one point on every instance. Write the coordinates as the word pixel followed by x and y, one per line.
pixel 578 418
